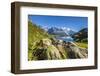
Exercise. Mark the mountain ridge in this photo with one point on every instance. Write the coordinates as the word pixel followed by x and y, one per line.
pixel 60 31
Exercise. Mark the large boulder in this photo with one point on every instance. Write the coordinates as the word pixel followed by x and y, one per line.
pixel 47 51
pixel 75 52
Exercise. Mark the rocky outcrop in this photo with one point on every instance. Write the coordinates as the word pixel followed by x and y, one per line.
pixel 50 50
pixel 75 52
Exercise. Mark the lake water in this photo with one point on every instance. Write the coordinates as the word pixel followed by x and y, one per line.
pixel 67 39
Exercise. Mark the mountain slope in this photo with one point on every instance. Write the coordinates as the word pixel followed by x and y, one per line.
pixel 68 31
pixel 56 31
pixel 82 35
pixel 60 31
pixel 35 34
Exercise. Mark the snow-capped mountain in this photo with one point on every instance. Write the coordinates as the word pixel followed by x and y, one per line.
pixel 68 31
pixel 62 31
pixel 56 31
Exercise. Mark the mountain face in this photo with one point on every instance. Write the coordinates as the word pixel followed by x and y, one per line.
pixel 69 31
pixel 56 31
pixel 82 35
pixel 60 31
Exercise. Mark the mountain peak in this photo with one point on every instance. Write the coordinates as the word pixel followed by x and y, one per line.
pixel 61 31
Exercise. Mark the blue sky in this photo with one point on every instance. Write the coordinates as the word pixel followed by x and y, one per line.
pixel 74 23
